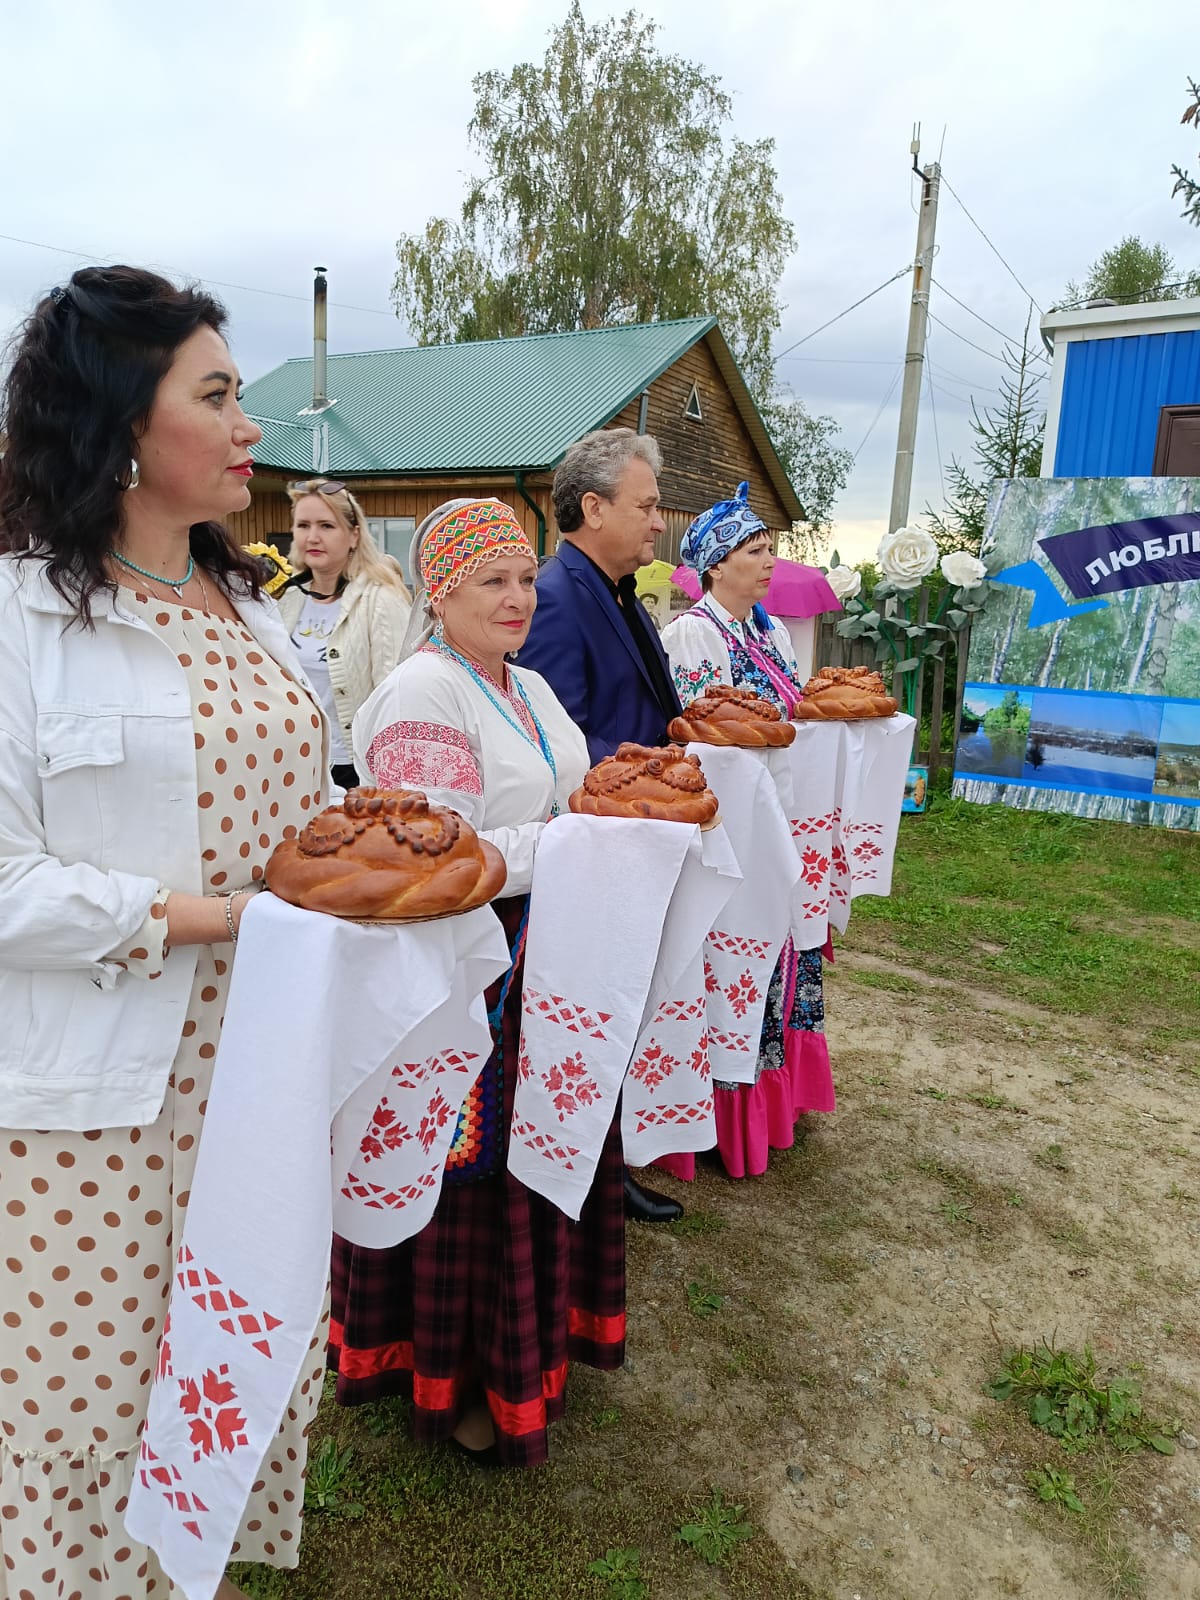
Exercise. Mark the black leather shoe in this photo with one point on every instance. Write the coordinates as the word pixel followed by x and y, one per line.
pixel 645 1205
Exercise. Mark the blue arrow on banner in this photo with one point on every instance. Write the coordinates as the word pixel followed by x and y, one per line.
pixel 1048 604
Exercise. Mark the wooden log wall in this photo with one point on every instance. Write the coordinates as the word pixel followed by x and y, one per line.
pixel 269 513
pixel 703 461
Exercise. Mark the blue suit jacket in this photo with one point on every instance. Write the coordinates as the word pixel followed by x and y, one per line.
pixel 581 645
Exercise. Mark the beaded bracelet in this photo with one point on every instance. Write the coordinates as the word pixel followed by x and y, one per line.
pixel 229 922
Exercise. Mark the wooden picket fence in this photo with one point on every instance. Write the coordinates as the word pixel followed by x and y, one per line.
pixel 940 683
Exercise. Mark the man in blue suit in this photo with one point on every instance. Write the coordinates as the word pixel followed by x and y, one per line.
pixel 591 638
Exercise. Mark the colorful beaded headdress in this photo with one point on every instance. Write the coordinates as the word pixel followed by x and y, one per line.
pixel 719 530
pixel 466 539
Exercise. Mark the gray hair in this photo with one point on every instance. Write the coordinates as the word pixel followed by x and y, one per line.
pixel 595 465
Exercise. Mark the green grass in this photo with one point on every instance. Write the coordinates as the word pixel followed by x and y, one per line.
pixel 1063 1394
pixel 1074 918
pixel 1046 909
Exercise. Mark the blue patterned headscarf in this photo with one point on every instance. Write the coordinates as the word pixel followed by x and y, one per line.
pixel 719 530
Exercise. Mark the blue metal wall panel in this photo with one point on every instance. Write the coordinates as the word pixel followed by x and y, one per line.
pixel 1112 392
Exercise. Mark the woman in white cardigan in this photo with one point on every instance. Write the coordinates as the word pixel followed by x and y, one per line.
pixel 157 741
pixel 346 609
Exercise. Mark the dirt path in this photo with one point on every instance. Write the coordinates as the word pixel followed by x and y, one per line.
pixel 814 1345
pixel 993 1177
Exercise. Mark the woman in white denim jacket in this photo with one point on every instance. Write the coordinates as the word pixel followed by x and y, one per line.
pixel 346 609
pixel 157 739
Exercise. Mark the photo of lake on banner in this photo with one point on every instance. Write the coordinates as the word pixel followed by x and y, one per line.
pixel 1104 702
pixel 1093 741
pixel 1177 771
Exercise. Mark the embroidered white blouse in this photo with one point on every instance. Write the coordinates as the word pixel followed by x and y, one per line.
pixel 429 726
pixel 698 653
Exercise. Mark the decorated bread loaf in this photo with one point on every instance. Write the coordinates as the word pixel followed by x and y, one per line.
pixel 723 715
pixel 844 694
pixel 387 853
pixel 661 782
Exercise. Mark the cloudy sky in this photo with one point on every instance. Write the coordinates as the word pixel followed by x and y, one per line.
pixel 243 144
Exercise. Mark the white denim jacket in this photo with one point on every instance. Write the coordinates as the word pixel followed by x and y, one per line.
pixel 98 810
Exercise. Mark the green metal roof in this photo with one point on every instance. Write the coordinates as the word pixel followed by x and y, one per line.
pixel 495 404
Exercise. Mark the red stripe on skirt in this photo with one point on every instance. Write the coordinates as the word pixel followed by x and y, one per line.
pixel 601 1330
pixel 438 1394
pixel 526 1416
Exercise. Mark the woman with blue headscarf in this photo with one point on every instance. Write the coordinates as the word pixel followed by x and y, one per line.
pixel 729 638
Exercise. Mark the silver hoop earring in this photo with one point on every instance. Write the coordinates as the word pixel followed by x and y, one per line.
pixel 135 476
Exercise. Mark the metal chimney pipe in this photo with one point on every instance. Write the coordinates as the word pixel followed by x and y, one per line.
pixel 320 399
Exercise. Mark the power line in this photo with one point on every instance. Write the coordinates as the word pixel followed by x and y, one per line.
pixel 1139 298
pixel 991 354
pixel 903 270
pixel 882 404
pixel 956 376
pixel 220 283
pixel 1007 337
pixel 949 394
pixel 837 361
pixel 989 243
pixel 969 384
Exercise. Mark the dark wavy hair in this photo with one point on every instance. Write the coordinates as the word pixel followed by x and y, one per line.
pixel 84 373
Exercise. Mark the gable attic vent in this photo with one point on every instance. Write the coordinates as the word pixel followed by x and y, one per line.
pixel 692 409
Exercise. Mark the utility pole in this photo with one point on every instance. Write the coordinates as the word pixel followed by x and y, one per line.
pixel 918 319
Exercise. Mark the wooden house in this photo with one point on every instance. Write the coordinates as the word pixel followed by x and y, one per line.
pixel 407 429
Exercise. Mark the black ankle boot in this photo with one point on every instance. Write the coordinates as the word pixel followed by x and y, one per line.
pixel 645 1205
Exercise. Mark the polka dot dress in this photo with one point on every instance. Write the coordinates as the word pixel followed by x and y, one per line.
pixel 90 1222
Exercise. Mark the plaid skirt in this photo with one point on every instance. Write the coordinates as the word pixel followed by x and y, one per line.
pixel 489 1302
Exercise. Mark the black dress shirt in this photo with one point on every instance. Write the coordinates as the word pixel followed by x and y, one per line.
pixel 642 631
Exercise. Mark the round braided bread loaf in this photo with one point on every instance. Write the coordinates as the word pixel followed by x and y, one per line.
pixel 845 694
pixel 657 781
pixel 722 715
pixel 387 853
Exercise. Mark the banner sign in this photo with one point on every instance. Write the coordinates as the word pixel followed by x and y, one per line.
pixel 1127 555
pixel 1090 705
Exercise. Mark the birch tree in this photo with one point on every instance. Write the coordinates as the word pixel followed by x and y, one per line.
pixel 613 190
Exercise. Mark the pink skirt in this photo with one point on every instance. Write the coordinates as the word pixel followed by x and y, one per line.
pixel 754 1119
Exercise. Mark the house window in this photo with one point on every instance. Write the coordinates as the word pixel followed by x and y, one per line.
pixel 394 536
pixel 692 409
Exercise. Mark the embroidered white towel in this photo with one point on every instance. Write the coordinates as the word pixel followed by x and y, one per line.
pixel 745 940
pixel 667 1101
pixel 602 888
pixel 320 1013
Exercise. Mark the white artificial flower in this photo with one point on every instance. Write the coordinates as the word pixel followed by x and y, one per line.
pixel 907 556
pixel 962 569
pixel 845 582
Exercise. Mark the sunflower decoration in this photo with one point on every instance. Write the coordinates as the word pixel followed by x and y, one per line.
pixel 277 569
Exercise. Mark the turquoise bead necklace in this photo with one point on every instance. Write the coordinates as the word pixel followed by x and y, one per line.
pixel 542 744
pixel 178 585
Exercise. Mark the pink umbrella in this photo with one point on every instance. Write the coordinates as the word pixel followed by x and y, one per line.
pixel 795 590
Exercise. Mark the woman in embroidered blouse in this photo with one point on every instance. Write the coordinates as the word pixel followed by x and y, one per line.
pixel 476 1317
pixel 730 638
pixel 346 608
